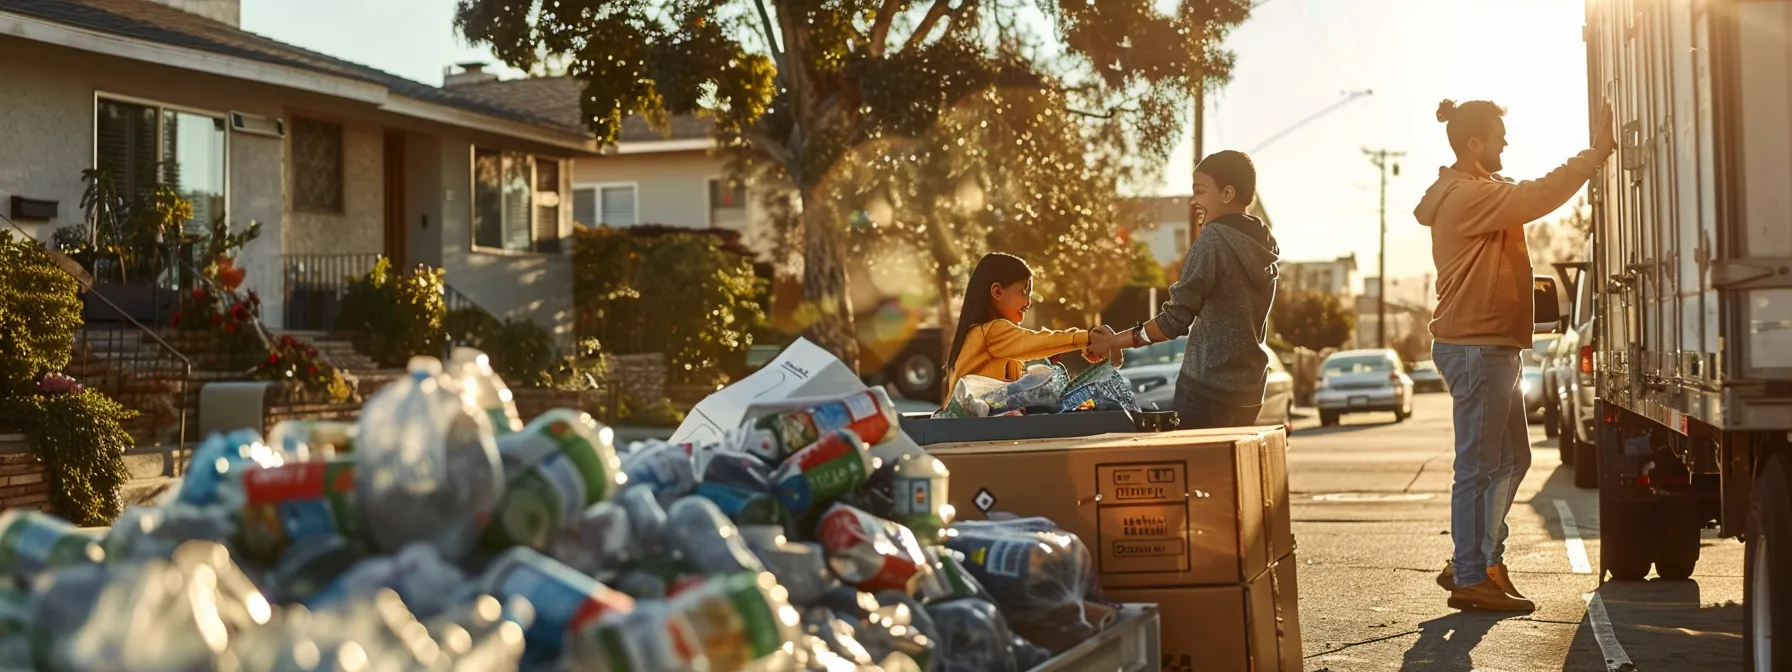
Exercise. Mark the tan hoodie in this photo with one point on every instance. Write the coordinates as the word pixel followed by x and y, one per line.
pixel 1477 242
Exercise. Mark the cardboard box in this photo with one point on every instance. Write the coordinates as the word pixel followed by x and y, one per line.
pixel 928 431
pixel 1156 510
pixel 1247 627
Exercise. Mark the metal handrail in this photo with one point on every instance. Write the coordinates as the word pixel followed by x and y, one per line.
pixel 185 363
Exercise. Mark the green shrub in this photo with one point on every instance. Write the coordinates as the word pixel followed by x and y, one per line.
pixel 521 351
pixel 78 435
pixel 689 294
pixel 395 316
pixel 81 440
pixel 39 314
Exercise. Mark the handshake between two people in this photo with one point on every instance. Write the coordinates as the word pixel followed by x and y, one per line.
pixel 1104 344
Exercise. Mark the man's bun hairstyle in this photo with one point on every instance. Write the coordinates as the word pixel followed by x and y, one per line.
pixel 1473 119
pixel 1230 168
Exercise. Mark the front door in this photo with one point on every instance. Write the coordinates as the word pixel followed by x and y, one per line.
pixel 395 193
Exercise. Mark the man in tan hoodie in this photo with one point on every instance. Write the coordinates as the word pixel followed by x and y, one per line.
pixel 1483 321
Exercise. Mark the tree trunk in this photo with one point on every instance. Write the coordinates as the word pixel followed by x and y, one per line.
pixel 827 306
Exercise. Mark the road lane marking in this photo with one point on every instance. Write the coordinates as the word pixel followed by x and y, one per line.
pixel 1615 658
pixel 1577 549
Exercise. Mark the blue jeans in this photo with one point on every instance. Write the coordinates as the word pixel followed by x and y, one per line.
pixel 1493 452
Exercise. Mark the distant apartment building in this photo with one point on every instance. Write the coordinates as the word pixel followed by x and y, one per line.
pixel 1336 277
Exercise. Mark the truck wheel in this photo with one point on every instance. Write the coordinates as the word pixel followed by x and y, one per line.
pixel 1767 602
pixel 1552 419
pixel 1677 549
pixel 1586 462
pixel 1328 419
pixel 917 377
pixel 1624 547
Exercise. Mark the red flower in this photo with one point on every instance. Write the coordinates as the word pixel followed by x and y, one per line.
pixel 272 358
pixel 311 371
pixel 199 292
pixel 311 352
pixel 176 320
pixel 230 327
pixel 286 341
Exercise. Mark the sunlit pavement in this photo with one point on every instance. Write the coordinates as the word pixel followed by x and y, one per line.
pixel 1371 519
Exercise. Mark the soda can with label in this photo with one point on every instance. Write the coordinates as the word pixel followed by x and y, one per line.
pixel 738 619
pixel 819 473
pixel 870 414
pixel 561 463
pixel 870 552
pixel 918 497
pixel 563 599
pixel 651 638
pixel 32 541
pixel 299 503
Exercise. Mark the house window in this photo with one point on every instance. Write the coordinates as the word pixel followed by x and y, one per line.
pixel 516 201
pixel 1181 238
pixel 605 205
pixel 317 165
pixel 140 146
pixel 727 204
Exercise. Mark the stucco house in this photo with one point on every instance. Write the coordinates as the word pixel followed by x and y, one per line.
pixel 647 177
pixel 338 161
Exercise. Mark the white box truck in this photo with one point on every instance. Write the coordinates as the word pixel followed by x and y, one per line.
pixel 1692 286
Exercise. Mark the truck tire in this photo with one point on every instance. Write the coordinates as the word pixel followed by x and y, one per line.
pixel 1328 419
pixel 1767 602
pixel 1586 463
pixel 1624 540
pixel 1552 417
pixel 1677 549
pixel 917 376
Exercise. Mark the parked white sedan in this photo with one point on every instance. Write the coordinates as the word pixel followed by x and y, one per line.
pixel 1362 381
pixel 1152 372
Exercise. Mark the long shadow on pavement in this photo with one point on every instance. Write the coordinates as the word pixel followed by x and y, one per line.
pixel 1445 642
pixel 1662 625
pixel 1560 485
pixel 1341 429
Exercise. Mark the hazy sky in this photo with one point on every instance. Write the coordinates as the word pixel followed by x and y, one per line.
pixel 1295 58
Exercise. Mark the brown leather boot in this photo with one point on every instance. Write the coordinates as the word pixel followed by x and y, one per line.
pixel 1447 579
pixel 1485 596
pixel 1502 578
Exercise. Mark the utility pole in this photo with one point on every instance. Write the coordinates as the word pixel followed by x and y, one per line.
pixel 1200 128
pixel 1383 159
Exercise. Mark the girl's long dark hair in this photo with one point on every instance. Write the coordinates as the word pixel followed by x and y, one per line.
pixel 993 269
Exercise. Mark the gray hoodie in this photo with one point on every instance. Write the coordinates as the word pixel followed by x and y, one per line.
pixel 1228 283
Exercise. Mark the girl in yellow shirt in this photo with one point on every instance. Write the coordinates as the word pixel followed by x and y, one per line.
pixel 990 341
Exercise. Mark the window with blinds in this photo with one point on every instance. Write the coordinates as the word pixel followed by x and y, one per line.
pixel 516 201
pixel 141 146
pixel 617 205
pixel 316 165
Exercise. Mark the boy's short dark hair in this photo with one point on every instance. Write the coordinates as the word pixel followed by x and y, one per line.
pixel 1233 169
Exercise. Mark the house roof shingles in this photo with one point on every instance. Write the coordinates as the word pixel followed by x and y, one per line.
pixel 557 98
pixel 153 22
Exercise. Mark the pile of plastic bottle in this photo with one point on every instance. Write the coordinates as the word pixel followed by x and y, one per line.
pixel 440 532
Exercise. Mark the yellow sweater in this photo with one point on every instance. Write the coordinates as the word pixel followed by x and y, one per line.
pixel 998 349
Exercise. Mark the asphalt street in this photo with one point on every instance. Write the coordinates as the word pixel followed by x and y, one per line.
pixel 1371 520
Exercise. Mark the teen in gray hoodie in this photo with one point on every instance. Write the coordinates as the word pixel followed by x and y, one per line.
pixel 1222 300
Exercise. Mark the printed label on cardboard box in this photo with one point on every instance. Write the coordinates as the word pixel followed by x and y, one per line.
pixel 1147 538
pixel 1126 484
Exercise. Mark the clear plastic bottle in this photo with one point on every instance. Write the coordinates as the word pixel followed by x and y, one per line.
pixel 428 466
pixel 710 543
pixel 485 389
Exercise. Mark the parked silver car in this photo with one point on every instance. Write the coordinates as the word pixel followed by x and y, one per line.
pixel 1363 381
pixel 1426 378
pixel 1152 372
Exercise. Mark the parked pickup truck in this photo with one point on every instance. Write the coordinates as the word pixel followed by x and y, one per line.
pixel 1692 278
